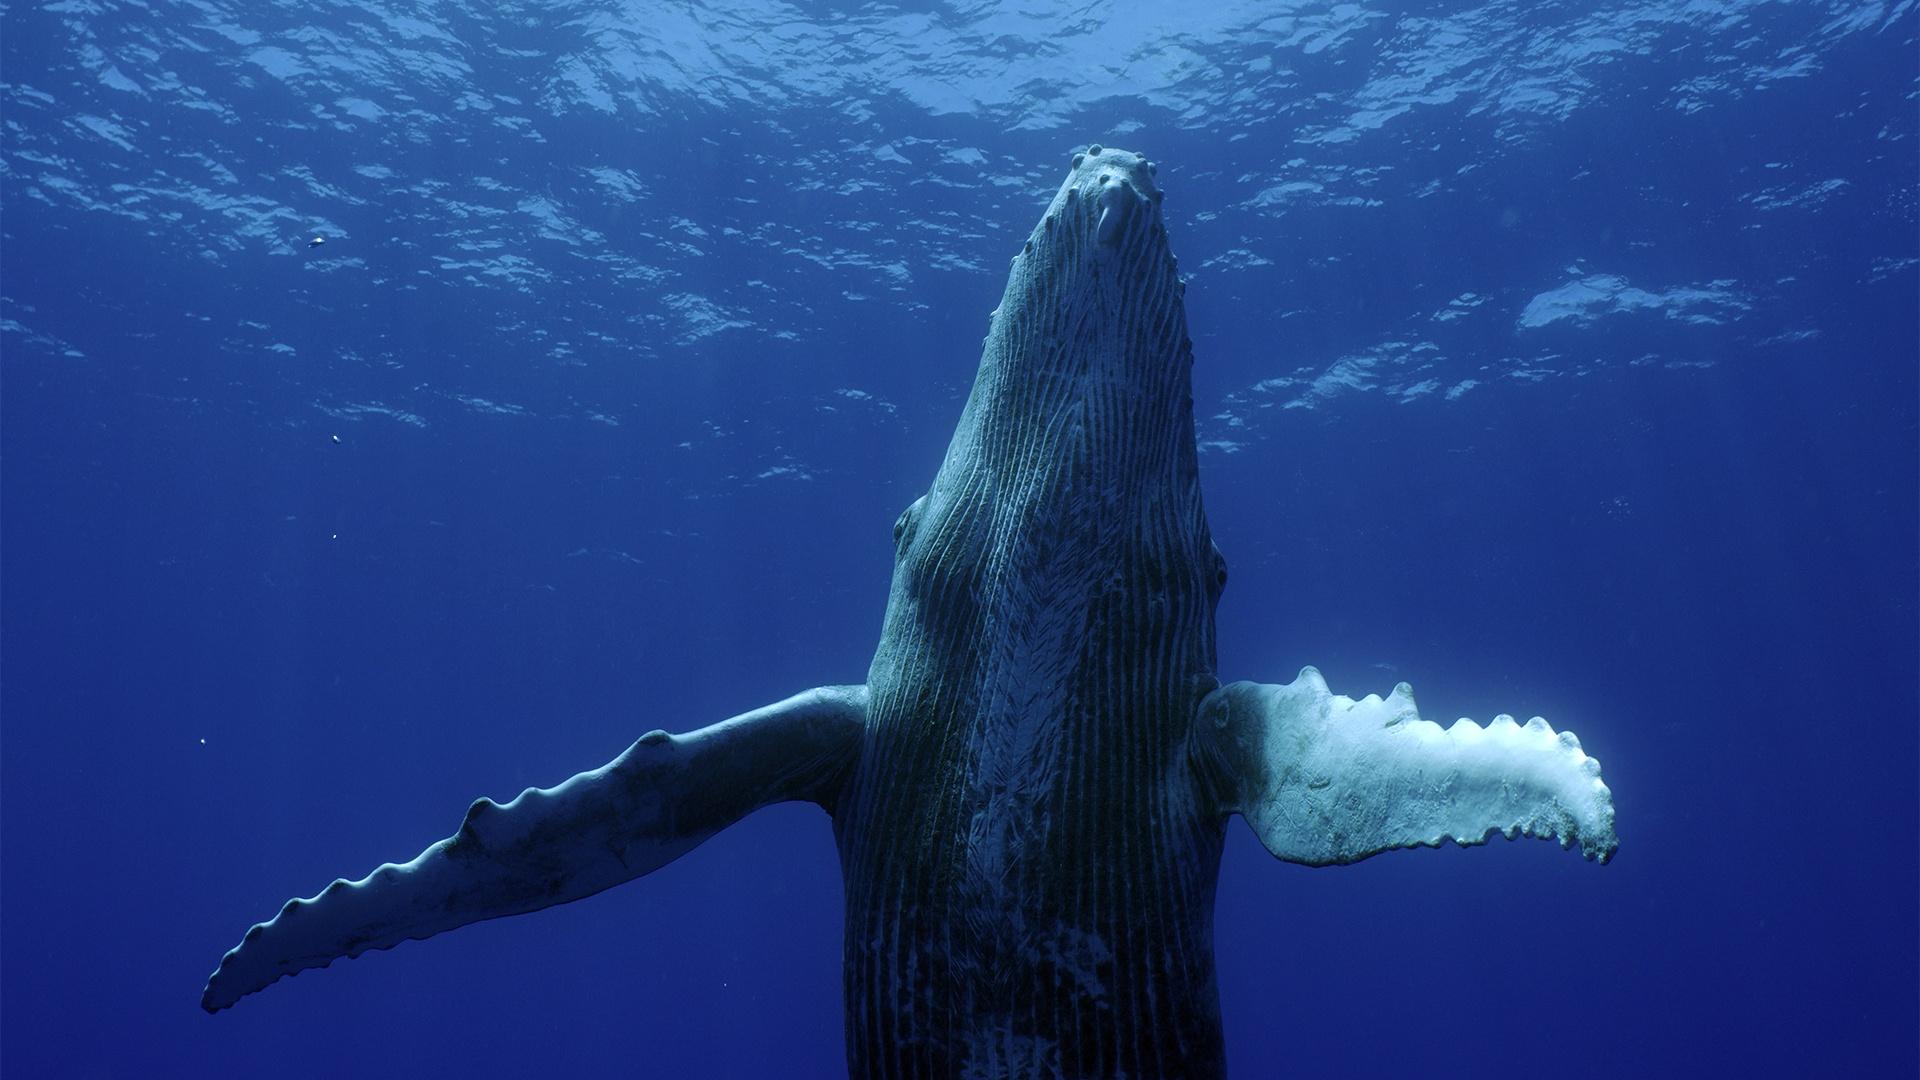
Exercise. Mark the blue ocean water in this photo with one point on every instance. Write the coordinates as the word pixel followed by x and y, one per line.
pixel 1557 358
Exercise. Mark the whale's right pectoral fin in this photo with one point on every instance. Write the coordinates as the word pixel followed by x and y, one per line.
pixel 1324 779
pixel 637 813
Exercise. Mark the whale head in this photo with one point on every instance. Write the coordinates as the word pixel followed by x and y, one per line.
pixel 1072 470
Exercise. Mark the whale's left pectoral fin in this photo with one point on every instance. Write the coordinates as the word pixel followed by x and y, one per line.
pixel 655 802
pixel 1324 779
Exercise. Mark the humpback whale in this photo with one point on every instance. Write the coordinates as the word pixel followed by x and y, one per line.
pixel 1030 792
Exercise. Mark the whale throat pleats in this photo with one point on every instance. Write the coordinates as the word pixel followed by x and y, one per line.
pixel 1029 870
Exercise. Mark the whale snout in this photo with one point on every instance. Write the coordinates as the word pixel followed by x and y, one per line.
pixel 1121 186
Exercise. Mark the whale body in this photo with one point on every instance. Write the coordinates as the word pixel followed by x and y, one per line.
pixel 1030 792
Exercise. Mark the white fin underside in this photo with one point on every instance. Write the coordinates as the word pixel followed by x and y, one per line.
pixel 1324 779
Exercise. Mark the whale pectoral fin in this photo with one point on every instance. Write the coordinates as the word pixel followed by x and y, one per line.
pixel 1325 779
pixel 655 802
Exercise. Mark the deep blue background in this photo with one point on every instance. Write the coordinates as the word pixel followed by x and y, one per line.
pixel 238 658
